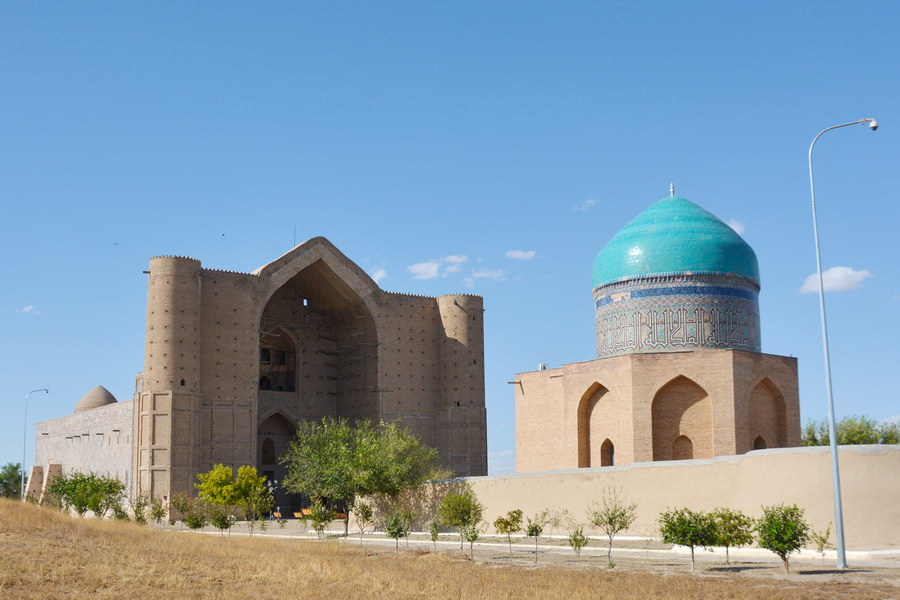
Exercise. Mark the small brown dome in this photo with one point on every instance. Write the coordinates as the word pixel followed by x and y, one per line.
pixel 97 397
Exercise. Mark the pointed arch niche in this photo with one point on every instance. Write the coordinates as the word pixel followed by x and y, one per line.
pixel 329 343
pixel 682 420
pixel 273 435
pixel 597 419
pixel 767 416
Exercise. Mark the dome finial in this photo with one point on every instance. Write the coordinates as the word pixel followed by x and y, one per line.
pixel 672 189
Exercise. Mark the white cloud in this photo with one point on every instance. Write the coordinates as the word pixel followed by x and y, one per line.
pixel 425 270
pixel 379 274
pixel 521 254
pixel 454 263
pixel 585 205
pixel 737 226
pixel 470 283
pixel 836 279
pixel 431 269
pixel 28 310
pixel 488 274
pixel 890 420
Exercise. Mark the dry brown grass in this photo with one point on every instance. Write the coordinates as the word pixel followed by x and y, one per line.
pixel 44 554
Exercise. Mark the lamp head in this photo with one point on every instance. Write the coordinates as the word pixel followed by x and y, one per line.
pixel 873 124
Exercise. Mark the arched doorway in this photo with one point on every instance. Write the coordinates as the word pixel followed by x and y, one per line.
pixel 759 443
pixel 767 415
pixel 682 421
pixel 682 448
pixel 607 454
pixel 273 436
pixel 596 414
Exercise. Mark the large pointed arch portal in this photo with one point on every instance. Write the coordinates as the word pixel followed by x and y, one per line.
pixel 325 331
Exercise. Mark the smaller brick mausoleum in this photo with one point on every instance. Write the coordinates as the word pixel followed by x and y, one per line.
pixel 679 372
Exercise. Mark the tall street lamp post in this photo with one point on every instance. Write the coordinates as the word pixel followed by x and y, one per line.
pixel 25 437
pixel 835 471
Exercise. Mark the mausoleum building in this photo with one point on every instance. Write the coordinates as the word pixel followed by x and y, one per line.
pixel 235 361
pixel 679 372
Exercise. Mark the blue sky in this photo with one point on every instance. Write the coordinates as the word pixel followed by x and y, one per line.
pixel 490 148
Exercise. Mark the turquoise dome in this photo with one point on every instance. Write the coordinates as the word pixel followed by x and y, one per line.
pixel 674 236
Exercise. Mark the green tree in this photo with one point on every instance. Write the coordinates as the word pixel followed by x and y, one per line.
pixel 397 526
pixel 217 485
pixel 139 508
pixel 733 529
pixel 10 480
pixel 247 493
pixel 685 527
pixel 535 528
pixel 319 517
pixel 577 540
pixel 221 517
pixel 556 518
pixel 181 503
pixel 460 510
pixel 434 530
pixel 334 461
pixel 157 510
pixel 365 515
pixel 851 430
pixel 508 525
pixel 390 459
pixel 197 517
pixel 471 534
pixel 782 530
pixel 822 539
pixel 612 515
pixel 252 496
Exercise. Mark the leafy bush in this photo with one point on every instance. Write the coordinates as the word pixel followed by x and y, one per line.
pixel 87 491
pixel 577 540
pixel 782 530
pixel 508 525
pixel 119 513
pixel 157 510
pixel 139 508
pixel 685 527
pixel 221 518
pixel 196 518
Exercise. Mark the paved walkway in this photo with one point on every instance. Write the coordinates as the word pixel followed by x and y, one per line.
pixel 631 547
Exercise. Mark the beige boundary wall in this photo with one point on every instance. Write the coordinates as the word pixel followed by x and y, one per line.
pixel 870 482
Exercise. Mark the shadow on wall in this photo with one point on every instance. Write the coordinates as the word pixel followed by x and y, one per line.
pixel 422 502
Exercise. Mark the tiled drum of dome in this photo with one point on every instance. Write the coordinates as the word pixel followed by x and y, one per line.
pixel 677 312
